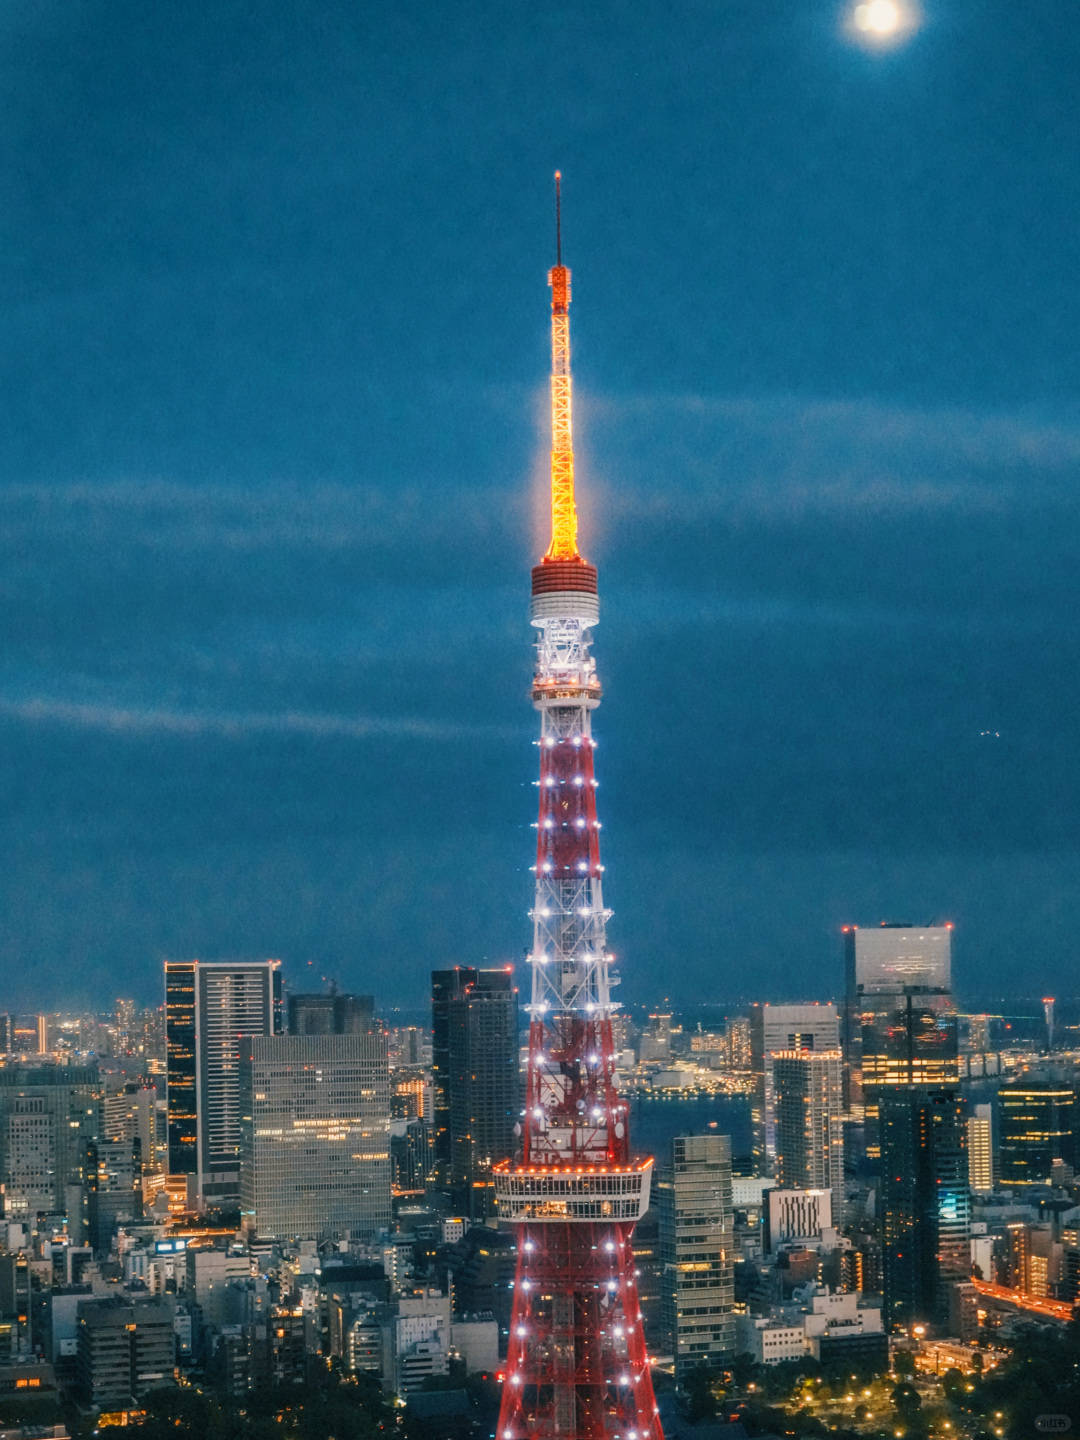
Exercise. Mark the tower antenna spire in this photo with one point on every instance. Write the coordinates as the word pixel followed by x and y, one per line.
pixel 563 510
pixel 558 217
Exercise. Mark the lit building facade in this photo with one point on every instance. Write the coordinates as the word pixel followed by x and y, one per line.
pixel 809 1123
pixel 899 1021
pixel 208 1007
pixel 315 1136
pixel 1038 1124
pixel 775 1030
pixel 696 1221
pixel 980 1147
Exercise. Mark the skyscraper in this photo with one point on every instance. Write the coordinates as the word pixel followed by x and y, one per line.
pixel 112 1189
pixel 330 1014
pixel 809 1123
pixel 48 1116
pixel 1038 1124
pixel 693 1199
pixel 315 1135
pixel 776 1029
pixel 899 1024
pixel 980 1146
pixel 475 1079
pixel 209 1005
pixel 130 1113
pixel 925 1206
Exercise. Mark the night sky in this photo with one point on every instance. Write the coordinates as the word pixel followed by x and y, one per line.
pixel 273 388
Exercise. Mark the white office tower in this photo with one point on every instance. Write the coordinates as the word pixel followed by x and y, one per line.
pixel 693 1197
pixel 315 1126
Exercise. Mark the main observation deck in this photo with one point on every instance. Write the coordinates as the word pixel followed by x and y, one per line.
pixel 571 1194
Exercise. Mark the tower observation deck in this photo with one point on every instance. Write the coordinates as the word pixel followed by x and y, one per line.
pixel 577 1368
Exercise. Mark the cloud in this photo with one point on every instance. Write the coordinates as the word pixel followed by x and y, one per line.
pixel 164 515
pixel 684 456
pixel 119 720
pixel 782 457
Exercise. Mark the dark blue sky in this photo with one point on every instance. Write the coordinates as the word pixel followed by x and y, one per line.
pixel 272 374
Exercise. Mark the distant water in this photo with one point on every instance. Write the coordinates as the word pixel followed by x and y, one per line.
pixel 655 1121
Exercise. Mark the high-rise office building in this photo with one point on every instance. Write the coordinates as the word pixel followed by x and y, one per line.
pixel 209 1005
pixel 737 1046
pixel 330 1014
pixel 925 1202
pixel 775 1030
pixel 809 1123
pixel 475 1080
pixel 899 1021
pixel 693 1200
pixel 980 1149
pixel 315 1135
pixel 1038 1126
pixel 48 1115
pixel 131 1114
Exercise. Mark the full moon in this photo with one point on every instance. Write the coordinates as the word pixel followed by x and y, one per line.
pixel 879 17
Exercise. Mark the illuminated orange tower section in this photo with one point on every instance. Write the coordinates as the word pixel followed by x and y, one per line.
pixel 577 1367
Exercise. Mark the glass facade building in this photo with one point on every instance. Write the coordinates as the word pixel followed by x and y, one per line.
pixel 899 1021
pixel 1038 1124
pixel 925 1203
pixel 331 1014
pixel 475 1081
pixel 208 1006
pixel 315 1135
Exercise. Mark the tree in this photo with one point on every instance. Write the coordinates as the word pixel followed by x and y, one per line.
pixel 954 1385
pixel 744 1369
pixel 904 1362
pixel 907 1400
pixel 698 1394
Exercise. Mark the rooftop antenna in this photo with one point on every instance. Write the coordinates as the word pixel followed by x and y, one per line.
pixel 558 217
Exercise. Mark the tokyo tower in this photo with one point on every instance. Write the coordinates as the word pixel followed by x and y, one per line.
pixel 576 1367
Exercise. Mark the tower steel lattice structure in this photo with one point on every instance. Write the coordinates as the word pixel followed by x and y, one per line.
pixel 577 1367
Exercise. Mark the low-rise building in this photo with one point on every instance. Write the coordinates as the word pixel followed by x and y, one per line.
pixel 416 1341
pixel 827 1325
pixel 209 1273
pixel 769 1341
pixel 474 1339
pixel 844 1326
pixel 123 1351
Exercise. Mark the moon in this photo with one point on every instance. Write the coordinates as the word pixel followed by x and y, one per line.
pixel 879 24
pixel 879 17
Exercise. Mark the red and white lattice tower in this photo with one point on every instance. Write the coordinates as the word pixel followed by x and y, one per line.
pixel 577 1367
